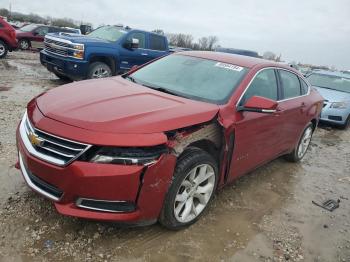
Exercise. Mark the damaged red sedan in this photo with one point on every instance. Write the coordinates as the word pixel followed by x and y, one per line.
pixel 156 143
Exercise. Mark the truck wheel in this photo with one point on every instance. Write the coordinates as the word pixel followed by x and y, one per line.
pixel 99 70
pixel 191 190
pixel 302 146
pixel 24 44
pixel 3 49
pixel 62 77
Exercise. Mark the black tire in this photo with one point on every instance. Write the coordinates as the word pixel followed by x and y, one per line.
pixel 3 49
pixel 294 156
pixel 62 77
pixel 189 160
pixel 99 70
pixel 24 44
pixel 347 123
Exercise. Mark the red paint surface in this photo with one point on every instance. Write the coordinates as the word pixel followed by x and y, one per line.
pixel 117 112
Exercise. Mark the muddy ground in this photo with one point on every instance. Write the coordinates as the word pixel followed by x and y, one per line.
pixel 265 216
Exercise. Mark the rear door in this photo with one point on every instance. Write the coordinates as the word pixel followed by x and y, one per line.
pixel 294 106
pixel 136 56
pixel 38 37
pixel 258 136
pixel 157 46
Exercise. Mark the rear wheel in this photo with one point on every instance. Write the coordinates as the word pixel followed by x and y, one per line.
pixel 191 191
pixel 3 49
pixel 99 70
pixel 24 44
pixel 302 146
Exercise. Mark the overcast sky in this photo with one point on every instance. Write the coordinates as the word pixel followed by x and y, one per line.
pixel 309 31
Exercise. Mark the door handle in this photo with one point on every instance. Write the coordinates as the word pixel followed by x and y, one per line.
pixel 144 54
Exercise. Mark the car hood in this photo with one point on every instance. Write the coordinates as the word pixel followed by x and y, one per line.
pixel 81 39
pixel 116 105
pixel 333 95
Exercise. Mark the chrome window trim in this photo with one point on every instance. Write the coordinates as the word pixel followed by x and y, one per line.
pixel 80 200
pixel 31 184
pixel 274 68
pixel 33 152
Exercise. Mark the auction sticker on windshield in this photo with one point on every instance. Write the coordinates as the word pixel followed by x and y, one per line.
pixel 229 66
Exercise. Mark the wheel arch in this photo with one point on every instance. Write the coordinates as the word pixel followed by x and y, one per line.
pixel 108 60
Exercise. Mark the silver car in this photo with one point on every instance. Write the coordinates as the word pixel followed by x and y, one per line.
pixel 335 88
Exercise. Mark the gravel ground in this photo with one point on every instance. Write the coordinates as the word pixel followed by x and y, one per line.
pixel 266 215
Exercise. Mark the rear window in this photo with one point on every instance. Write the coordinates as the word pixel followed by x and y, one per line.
pixel 290 84
pixel 157 42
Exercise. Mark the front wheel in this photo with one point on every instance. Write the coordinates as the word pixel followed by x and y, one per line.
pixel 99 70
pixel 191 190
pixel 300 150
pixel 24 44
pixel 3 49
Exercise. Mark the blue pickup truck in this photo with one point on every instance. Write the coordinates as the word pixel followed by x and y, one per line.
pixel 107 51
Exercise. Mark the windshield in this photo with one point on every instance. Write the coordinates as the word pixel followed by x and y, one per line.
pixel 109 33
pixel 191 77
pixel 330 81
pixel 28 28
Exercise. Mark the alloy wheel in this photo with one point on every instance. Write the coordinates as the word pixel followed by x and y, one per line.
pixel 305 142
pixel 101 73
pixel 2 49
pixel 194 193
pixel 24 45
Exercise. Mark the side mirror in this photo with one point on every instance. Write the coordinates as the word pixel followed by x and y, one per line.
pixel 260 105
pixel 35 33
pixel 133 44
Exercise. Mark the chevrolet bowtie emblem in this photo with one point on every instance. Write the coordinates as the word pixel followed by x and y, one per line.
pixel 35 139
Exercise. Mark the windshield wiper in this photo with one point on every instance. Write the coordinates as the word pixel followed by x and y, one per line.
pixel 130 78
pixel 164 90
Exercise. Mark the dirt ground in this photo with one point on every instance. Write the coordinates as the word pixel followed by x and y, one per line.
pixel 264 216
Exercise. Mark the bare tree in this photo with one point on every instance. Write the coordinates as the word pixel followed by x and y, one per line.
pixel 212 40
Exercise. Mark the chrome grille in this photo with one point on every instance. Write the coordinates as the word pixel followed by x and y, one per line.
pixel 48 147
pixel 62 47
pixel 56 51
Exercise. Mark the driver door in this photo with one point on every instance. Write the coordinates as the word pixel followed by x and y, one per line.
pixel 134 56
pixel 258 136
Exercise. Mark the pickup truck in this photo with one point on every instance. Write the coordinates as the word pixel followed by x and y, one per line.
pixel 106 51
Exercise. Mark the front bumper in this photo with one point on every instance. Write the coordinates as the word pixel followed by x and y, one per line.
pixel 143 187
pixel 333 115
pixel 73 68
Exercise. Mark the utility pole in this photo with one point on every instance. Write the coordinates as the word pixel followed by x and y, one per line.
pixel 10 11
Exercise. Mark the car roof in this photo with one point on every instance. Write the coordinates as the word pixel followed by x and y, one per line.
pixel 330 73
pixel 240 60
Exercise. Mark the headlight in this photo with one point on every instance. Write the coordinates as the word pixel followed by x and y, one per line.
pixel 340 105
pixel 128 155
pixel 78 54
pixel 78 46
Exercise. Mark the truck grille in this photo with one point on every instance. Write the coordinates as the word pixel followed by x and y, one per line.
pixel 61 47
pixel 48 147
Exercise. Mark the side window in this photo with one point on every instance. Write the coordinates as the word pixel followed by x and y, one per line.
pixel 157 42
pixel 290 84
pixel 264 84
pixel 52 30
pixel 141 37
pixel 43 30
pixel 304 87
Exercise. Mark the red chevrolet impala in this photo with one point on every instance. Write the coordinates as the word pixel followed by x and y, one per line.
pixel 156 143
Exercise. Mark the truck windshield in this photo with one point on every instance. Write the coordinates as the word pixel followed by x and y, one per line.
pixel 191 77
pixel 109 33
pixel 28 28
